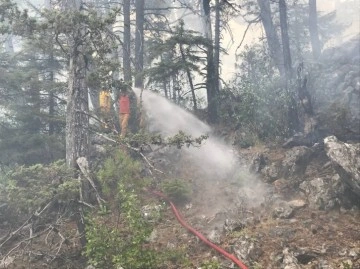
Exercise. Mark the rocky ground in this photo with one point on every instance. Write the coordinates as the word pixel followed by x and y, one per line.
pixel 296 213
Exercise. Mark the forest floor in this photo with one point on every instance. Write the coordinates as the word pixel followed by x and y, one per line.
pixel 319 239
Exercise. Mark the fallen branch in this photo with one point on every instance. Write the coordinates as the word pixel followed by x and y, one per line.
pixel 134 149
pixel 25 240
pixel 148 162
pixel 36 214
pixel 84 168
pixel 85 204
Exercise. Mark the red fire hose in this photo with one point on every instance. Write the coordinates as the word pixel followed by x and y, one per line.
pixel 199 235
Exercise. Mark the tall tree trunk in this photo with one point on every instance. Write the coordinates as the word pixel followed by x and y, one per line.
pixel 210 72
pixel 188 73
pixel 77 120
pixel 51 99
pixel 271 35
pixel 175 89
pixel 217 47
pixel 165 89
pixel 50 77
pixel 293 115
pixel 313 29
pixel 285 39
pixel 94 91
pixel 127 41
pixel 139 44
pixel 77 108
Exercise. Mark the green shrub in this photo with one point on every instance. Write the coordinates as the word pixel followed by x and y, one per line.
pixel 124 245
pixel 119 168
pixel 28 188
pixel 103 243
pixel 177 190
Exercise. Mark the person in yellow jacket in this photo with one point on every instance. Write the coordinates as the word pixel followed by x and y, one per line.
pixel 105 107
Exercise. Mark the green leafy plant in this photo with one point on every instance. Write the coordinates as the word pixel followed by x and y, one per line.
pixel 178 140
pixel 111 245
pixel 119 168
pixel 177 190
pixel 103 242
pixel 28 188
pixel 123 245
pixel 347 265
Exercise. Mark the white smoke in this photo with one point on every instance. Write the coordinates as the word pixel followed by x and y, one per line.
pixel 168 119
pixel 216 164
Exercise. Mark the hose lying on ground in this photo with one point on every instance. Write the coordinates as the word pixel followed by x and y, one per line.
pixel 198 234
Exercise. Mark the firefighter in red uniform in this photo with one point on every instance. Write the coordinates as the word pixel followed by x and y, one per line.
pixel 124 110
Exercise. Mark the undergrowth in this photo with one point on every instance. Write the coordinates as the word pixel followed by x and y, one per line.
pixel 124 240
pixel 177 190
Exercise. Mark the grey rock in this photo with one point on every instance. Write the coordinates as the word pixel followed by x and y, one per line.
pixel 289 260
pixel 215 236
pixel 296 161
pixel 346 160
pixel 343 252
pixel 257 163
pixel 323 264
pixel 298 203
pixel 270 172
pixel 323 193
pixel 283 211
pixel 247 249
pixel 231 225
pixel 354 253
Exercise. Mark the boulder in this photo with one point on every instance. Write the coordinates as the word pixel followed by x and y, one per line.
pixel 346 161
pixel 323 193
pixel 289 260
pixel 296 161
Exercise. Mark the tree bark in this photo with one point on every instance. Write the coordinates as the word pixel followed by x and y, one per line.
pixel 313 29
pixel 210 77
pixel 271 35
pixel 50 78
pixel 77 109
pixel 217 47
pixel 51 97
pixel 293 113
pixel 127 41
pixel 188 73
pixel 285 39
pixel 165 89
pixel 139 44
